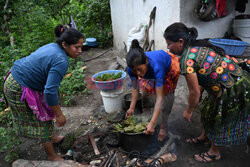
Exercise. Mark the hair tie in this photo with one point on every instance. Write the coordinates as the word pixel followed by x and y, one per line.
pixel 62 29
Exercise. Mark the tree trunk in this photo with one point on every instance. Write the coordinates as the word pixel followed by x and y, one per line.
pixel 21 32
pixel 6 29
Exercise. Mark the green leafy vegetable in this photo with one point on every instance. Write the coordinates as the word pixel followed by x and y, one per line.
pixel 130 125
pixel 108 76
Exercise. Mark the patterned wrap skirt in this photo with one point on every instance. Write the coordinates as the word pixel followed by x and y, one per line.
pixel 25 122
pixel 226 120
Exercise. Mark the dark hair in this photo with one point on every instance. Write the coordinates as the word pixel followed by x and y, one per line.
pixel 68 35
pixel 179 30
pixel 136 55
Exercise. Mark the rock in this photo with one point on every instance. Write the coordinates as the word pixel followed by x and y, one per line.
pixel 113 66
pixel 77 156
pixel 121 62
pixel 95 162
pixel 30 163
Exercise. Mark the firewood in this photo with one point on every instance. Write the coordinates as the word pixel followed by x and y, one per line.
pixel 92 140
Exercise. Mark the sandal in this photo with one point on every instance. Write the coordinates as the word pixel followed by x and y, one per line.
pixel 196 140
pixel 205 157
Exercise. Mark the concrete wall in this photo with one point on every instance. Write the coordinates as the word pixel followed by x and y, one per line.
pixel 127 14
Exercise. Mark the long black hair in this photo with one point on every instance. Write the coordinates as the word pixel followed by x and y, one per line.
pixel 179 30
pixel 136 55
pixel 68 35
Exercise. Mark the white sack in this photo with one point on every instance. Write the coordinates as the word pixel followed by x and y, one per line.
pixel 138 33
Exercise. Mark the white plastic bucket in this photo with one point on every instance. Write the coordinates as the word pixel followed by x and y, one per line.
pixel 241 28
pixel 112 100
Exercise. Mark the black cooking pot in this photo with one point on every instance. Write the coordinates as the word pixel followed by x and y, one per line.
pixel 127 101
pixel 141 143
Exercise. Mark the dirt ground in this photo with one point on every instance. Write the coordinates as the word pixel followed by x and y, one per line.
pixel 91 104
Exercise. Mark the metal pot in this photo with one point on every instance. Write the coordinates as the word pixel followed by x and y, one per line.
pixel 140 143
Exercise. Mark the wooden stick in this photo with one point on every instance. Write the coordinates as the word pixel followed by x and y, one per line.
pixel 104 162
pixel 117 160
pixel 92 140
pixel 112 159
pixel 151 18
pixel 110 155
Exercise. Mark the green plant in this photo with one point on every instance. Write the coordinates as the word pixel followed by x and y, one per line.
pixel 8 55
pixel 9 143
pixel 31 25
pixel 9 140
pixel 95 20
pixel 108 76
pixel 73 84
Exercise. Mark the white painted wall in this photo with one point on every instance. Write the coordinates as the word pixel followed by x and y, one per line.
pixel 127 14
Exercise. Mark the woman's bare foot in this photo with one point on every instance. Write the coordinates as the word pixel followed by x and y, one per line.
pixel 49 149
pixel 162 134
pixel 55 158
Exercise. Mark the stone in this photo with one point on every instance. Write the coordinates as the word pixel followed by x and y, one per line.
pixel 95 162
pixel 113 66
pixel 33 163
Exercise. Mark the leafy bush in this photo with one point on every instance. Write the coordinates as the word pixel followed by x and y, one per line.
pixel 9 140
pixel 94 20
pixel 7 56
pixel 31 24
pixel 73 84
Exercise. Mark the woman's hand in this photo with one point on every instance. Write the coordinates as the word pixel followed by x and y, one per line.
pixel 60 120
pixel 150 129
pixel 135 94
pixel 187 115
pixel 130 112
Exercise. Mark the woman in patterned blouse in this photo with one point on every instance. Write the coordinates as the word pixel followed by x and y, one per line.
pixel 225 111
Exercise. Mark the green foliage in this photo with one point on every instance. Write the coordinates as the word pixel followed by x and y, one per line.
pixel 73 84
pixel 94 20
pixel 7 57
pixel 130 125
pixel 31 24
pixel 9 140
pixel 108 76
